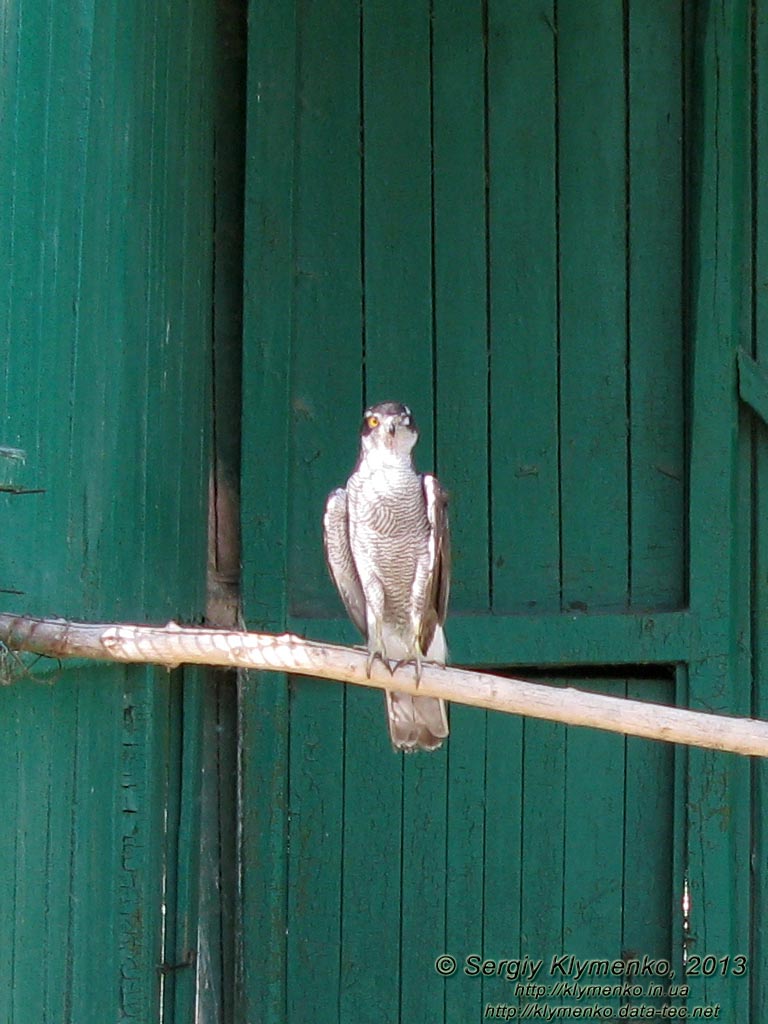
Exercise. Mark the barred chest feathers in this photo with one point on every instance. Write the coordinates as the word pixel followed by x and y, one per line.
pixel 388 519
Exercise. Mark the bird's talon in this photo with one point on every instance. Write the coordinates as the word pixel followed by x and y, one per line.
pixel 372 656
pixel 416 662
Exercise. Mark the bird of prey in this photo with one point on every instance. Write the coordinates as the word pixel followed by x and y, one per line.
pixel 387 548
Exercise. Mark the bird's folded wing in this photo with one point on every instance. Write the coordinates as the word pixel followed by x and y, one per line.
pixel 338 555
pixel 439 581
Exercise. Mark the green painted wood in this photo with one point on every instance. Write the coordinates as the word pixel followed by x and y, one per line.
pixel 543 895
pixel 540 640
pixel 465 845
pixel 267 318
pixel 397 202
pixel 325 414
pixel 502 870
pixel 759 936
pixel 216 951
pixel 396 44
pixel 185 825
pixel 460 289
pixel 593 876
pixel 753 385
pixel 592 304
pixel 326 406
pixel 549 149
pixel 650 842
pixel 523 253
pixel 424 896
pixel 106 182
pixel 655 305
pixel 316 802
pixel 718 785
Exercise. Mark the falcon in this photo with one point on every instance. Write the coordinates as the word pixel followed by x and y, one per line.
pixel 387 548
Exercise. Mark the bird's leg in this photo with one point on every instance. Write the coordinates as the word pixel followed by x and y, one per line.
pixel 375 641
pixel 414 658
pixel 416 662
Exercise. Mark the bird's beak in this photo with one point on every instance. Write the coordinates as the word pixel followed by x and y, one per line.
pixel 392 428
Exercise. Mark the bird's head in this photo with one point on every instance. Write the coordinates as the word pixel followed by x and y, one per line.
pixel 388 428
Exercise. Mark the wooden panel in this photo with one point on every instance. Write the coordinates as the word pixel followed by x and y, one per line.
pixel 89 779
pixel 465 870
pixel 326 367
pixel 107 233
pixel 397 200
pixel 543 856
pixel 524 456
pixel 431 188
pixel 460 290
pixel 656 311
pixel 502 838
pixel 593 329
pixel 371 900
pixel 718 840
pixel 594 842
pixel 649 842
pixel 267 319
pixel 759 893
pixel 316 795
pixel 325 412
pixel 543 640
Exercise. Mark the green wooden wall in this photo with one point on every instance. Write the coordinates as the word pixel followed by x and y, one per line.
pixel 105 306
pixel 538 225
pixel 543 226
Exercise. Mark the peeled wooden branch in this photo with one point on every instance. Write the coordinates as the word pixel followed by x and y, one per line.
pixel 173 645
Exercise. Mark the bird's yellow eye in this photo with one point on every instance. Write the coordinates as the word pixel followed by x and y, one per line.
pixel 373 422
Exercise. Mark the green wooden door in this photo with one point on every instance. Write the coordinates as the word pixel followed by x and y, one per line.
pixel 514 218
pixel 105 305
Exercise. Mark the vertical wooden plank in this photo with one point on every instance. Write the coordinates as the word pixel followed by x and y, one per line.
pixel 656 313
pixel 326 367
pixel 592 264
pixel 372 862
pixel 215 964
pixel 100 860
pixel 27 918
pixel 215 971
pixel 423 885
pixel 181 937
pixel 649 841
pixel 59 800
pixel 503 839
pixel 316 794
pixel 460 290
pixel 397 200
pixel 759 775
pixel 267 332
pixel 593 874
pixel 465 854
pixel 542 887
pixel 522 93
pixel 718 784
pixel 145 763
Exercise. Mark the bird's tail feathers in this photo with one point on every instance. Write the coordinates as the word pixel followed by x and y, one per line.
pixel 416 723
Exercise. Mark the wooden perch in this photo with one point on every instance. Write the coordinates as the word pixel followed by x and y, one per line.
pixel 174 645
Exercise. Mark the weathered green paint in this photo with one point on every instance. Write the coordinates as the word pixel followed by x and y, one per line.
pixel 267 318
pixel 759 894
pixel 718 858
pixel 478 209
pixel 105 306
